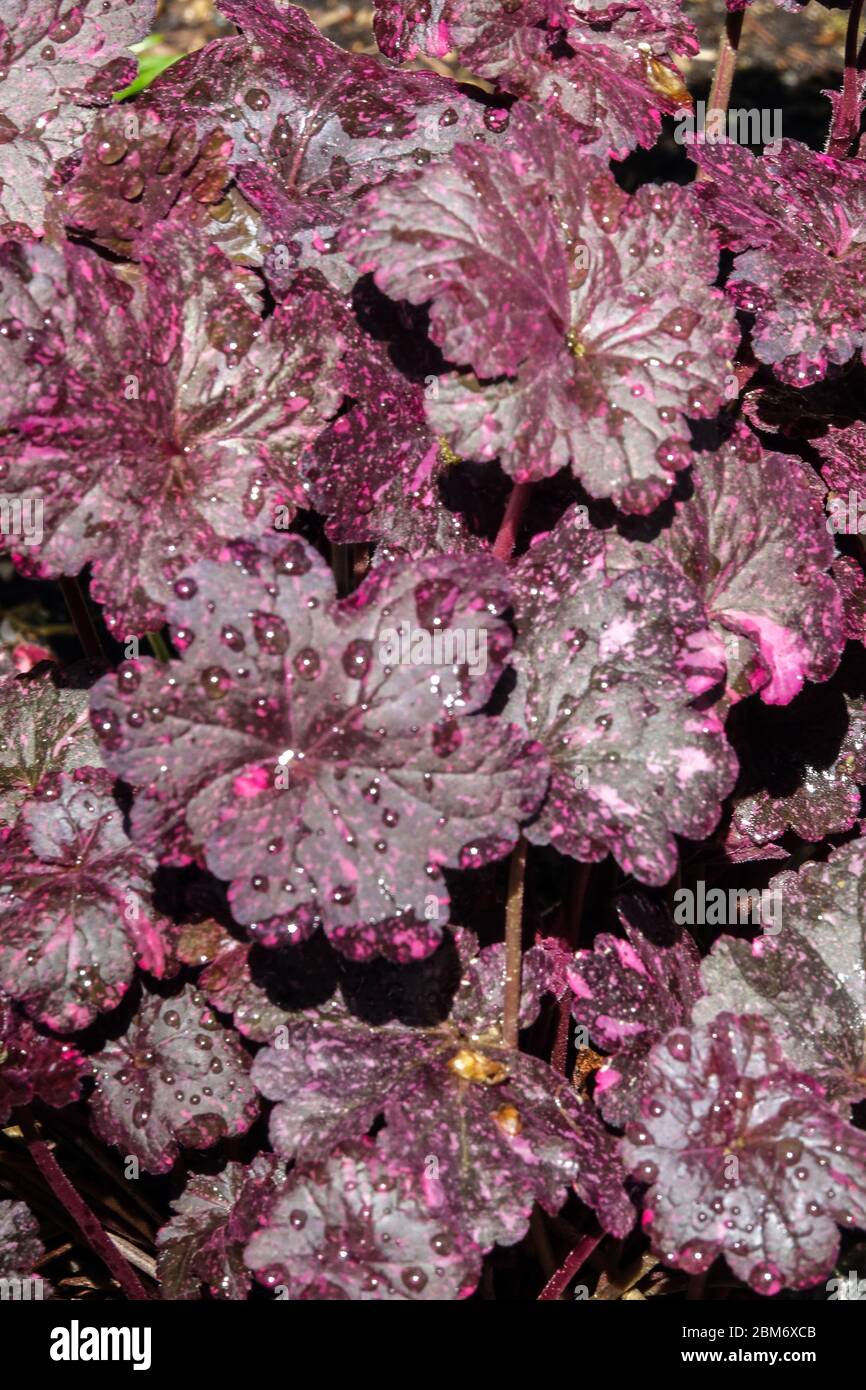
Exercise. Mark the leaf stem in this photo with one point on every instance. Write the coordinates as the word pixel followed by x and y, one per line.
pixel 726 64
pixel 76 1207
pixel 845 125
pixel 506 536
pixel 80 615
pixel 513 943
pixel 556 1285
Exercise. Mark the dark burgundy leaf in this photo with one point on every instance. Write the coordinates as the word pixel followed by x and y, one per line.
pixel 215 1216
pixel 32 1064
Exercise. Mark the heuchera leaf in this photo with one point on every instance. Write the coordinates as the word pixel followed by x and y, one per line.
pixel 20 1246
pixel 215 1216
pixel 125 183
pixel 483 1130
pixel 752 538
pixel 798 220
pixel 804 766
pixel 627 993
pixel 32 1064
pixel 59 60
pixel 601 342
pixel 809 981
pixel 746 1158
pixel 607 672
pixel 605 72
pixel 175 1077
pixel 374 468
pixel 843 459
pixel 356 1228
pixel 75 903
pixel 311 125
pixel 309 760
pixel 171 413
pixel 45 728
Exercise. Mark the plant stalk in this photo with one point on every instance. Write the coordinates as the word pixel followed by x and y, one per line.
pixel 159 647
pixel 82 621
pixel 76 1207
pixel 726 65
pixel 845 126
pixel 513 943
pixel 557 1284
pixel 506 537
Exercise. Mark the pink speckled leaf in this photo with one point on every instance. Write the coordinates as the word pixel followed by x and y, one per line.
pixel 170 413
pixel 627 993
pixel 44 727
pixel 607 673
pixel 405 28
pixel 588 346
pixel 312 125
pixel 486 1130
pixel 843 460
pixel 76 907
pixel 798 220
pixel 175 1078
pixel 809 981
pixel 60 60
pixel 314 758
pixel 203 1243
pixel 34 1064
pixel 752 538
pixel 356 1227
pixel 746 1158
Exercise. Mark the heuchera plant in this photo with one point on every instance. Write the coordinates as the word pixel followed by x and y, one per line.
pixel 452 839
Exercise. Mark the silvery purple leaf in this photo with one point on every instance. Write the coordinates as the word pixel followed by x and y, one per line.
pixel 168 411
pixel 317 753
pixel 745 1158
pixel 176 1078
pixel 808 980
pixel 752 539
pixel 607 674
pixel 356 1227
pixel 20 1247
pixel 588 345
pixel 484 1130
pixel 76 909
